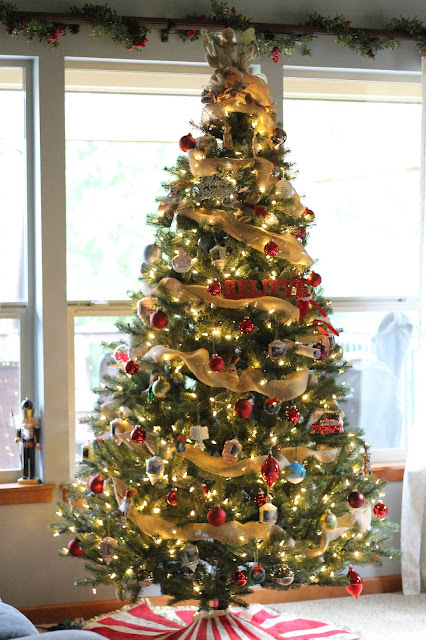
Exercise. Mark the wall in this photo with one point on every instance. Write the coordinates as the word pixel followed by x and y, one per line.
pixel 30 571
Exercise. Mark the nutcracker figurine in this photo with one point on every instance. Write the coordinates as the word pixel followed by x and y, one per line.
pixel 28 435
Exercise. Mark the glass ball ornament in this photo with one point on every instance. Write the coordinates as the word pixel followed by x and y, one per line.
pixel 246 325
pixel 160 388
pixel 295 472
pixel 328 521
pixel 284 576
pixel 243 408
pixel 257 574
pixel 152 253
pixel 214 287
pixel 131 367
pixel 186 143
pixel 261 498
pixel 292 415
pixel 144 578
pixel 74 548
pixel 159 319
pixel 356 499
pixel 216 363
pixel 270 470
pixel 138 435
pixel 172 497
pixel 314 279
pixel 272 406
pixel 239 578
pixel 380 509
pixel 96 484
pixel 271 248
pixel 216 517
pixel 121 354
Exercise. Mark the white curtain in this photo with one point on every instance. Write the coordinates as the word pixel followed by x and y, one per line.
pixel 413 520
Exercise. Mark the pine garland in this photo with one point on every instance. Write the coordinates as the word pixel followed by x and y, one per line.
pixel 107 23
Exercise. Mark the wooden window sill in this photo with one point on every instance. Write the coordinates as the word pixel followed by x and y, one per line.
pixel 390 471
pixel 14 493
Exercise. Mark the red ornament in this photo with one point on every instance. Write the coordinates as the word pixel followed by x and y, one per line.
pixel 214 287
pixel 300 233
pixel 240 578
pixel 308 214
pixel 292 415
pixel 323 350
pixel 356 585
pixel 172 497
pixel 216 363
pixel 159 319
pixel 314 279
pixel 270 470
pixel 356 499
pixel 243 408
pixel 138 435
pixel 261 498
pixel 216 517
pixel 206 490
pixel 74 548
pixel 96 484
pixel 271 248
pixel 246 325
pixel 380 509
pixel 186 143
pixel 131 367
pixel 120 355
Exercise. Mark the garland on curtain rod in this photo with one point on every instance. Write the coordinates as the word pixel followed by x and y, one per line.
pixel 272 40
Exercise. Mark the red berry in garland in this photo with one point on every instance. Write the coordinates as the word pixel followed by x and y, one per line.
pixel 172 497
pixel 214 288
pixel 380 509
pixel 96 484
pixel 240 578
pixel 275 54
pixel 271 248
pixel 292 415
pixel 270 470
pixel 131 367
pixel 186 143
pixel 138 435
pixel 314 279
pixel 216 363
pixel 216 517
pixel 74 548
pixel 159 319
pixel 246 325
pixel 356 499
pixel 243 408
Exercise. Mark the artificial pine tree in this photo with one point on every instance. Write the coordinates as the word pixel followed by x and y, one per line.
pixel 221 459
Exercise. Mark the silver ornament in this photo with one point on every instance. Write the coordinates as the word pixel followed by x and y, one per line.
pixel 152 253
pixel 190 556
pixel 154 469
pixel 199 433
pixel 284 576
pixel 106 547
pixel 218 256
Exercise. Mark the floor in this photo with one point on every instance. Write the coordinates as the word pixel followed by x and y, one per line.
pixel 387 616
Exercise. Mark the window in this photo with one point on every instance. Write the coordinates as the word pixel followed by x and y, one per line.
pixel 15 297
pixel 356 145
pixel 122 129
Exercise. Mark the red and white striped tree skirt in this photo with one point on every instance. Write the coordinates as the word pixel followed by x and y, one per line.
pixel 144 621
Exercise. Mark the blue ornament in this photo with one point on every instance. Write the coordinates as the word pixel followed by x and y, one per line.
pixel 272 406
pixel 295 472
pixel 257 574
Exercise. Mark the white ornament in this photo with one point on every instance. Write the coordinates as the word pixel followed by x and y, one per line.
pixel 106 548
pixel 152 253
pixel 199 433
pixel 154 469
pixel 207 143
pixel 126 505
pixel 182 262
pixel 284 188
pixel 268 513
pixel 276 350
pixel 218 256
pixel 190 556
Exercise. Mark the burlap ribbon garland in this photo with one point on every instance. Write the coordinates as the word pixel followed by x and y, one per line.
pixel 289 247
pixel 250 379
pixel 264 123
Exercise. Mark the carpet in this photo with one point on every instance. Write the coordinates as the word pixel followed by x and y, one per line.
pixel 183 623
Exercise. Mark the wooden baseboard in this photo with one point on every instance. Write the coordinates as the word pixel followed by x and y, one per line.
pixel 57 612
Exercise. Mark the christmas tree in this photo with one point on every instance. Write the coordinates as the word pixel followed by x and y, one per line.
pixel 221 457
